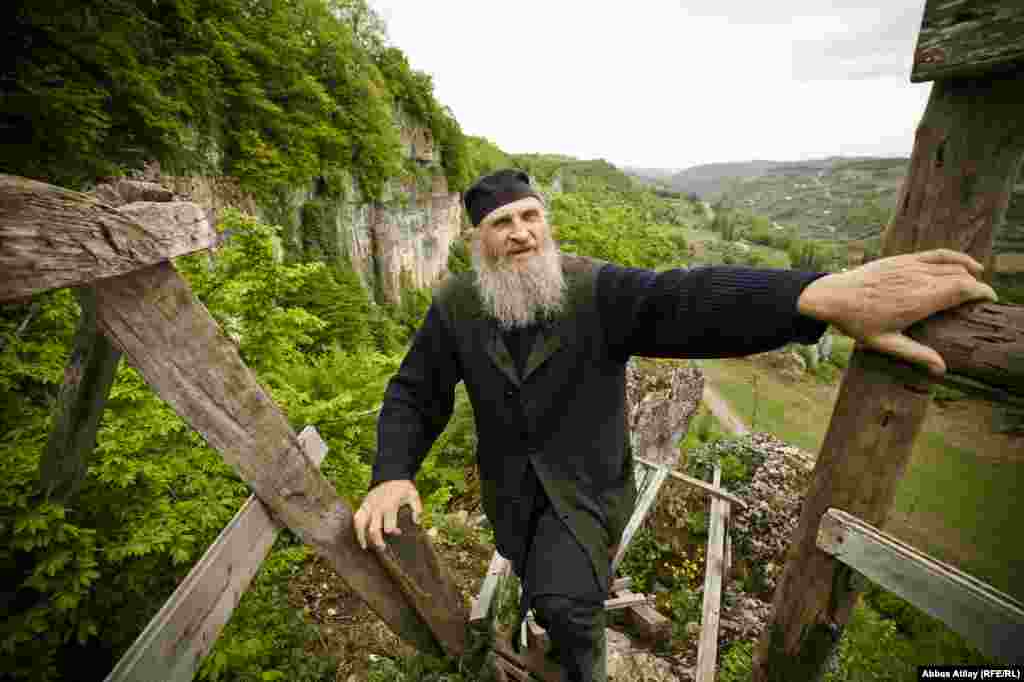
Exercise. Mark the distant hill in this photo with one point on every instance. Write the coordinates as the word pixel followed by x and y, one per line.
pixel 845 198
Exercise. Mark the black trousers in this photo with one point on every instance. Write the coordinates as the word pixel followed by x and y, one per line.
pixel 562 589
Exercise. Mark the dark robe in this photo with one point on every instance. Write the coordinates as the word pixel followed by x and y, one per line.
pixel 563 414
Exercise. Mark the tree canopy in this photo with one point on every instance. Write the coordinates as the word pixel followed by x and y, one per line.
pixel 275 92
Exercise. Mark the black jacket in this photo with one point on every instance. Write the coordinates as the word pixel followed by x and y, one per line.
pixel 566 414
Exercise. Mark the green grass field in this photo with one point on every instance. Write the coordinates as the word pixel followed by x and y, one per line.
pixel 959 503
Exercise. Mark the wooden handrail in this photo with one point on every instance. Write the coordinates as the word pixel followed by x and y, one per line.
pixel 991 620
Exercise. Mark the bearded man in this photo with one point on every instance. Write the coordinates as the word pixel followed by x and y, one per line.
pixel 541 339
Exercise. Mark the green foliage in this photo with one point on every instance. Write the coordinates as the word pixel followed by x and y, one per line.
pixel 601 227
pixel 266 639
pixel 246 289
pixel 275 93
pixel 641 560
pixel 485 157
pixel 815 255
pixel 738 458
pixel 442 476
pixel 737 662
pixel 84 579
pixel 685 607
pixel 336 296
pixel 459 258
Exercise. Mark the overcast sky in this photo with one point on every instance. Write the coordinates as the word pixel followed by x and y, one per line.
pixel 672 83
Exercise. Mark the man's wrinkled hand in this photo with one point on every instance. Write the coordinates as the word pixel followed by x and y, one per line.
pixel 876 302
pixel 379 511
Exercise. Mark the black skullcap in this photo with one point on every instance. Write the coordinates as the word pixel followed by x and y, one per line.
pixel 495 190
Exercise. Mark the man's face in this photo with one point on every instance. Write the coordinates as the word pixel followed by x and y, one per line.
pixel 513 233
pixel 518 265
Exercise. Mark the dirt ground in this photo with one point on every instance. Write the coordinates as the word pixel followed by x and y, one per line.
pixel 350 630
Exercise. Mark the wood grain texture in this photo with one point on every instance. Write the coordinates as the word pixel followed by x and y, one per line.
pixel 981 341
pixel 80 403
pixel 654 479
pixel 179 636
pixel 645 619
pixel 497 571
pixel 720 493
pixel 170 338
pixel 967 154
pixel 989 619
pixel 51 237
pixel 417 572
pixel 707 647
pixel 968 38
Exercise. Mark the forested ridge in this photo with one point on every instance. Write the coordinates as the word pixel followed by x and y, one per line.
pixel 274 92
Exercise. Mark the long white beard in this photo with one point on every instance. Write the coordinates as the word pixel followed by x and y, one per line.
pixel 517 295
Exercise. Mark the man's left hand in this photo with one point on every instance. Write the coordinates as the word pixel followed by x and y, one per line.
pixel 876 302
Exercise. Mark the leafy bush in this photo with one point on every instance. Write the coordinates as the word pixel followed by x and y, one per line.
pixel 737 662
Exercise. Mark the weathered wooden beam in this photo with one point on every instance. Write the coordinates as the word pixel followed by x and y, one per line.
pixel 968 38
pixel 51 237
pixel 624 601
pixel 981 341
pixel 181 634
pixel 83 395
pixel 966 156
pixel 415 568
pixel 989 619
pixel 707 647
pixel 170 338
pixel 648 494
pixel 620 584
pixel 720 493
pixel 497 571
pixel 645 619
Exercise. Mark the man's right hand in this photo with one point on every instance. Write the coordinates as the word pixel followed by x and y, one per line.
pixel 380 511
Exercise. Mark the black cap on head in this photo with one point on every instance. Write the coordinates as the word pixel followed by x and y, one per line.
pixel 495 190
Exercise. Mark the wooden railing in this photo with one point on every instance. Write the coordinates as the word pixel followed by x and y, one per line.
pixel 118 258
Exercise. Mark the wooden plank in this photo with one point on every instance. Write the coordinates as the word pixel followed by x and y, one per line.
pixel 496 573
pixel 620 584
pixel 173 644
pixel 51 237
pixel 968 38
pixel 83 395
pixel 646 620
pixel 707 648
pixel 624 601
pixel 720 493
pixel 171 339
pixel 989 619
pixel 966 158
pixel 418 573
pixel 643 505
pixel 532 660
pixel 981 341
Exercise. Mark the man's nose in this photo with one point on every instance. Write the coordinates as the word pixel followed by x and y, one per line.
pixel 519 232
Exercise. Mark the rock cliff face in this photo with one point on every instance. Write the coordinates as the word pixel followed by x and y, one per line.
pixel 403 237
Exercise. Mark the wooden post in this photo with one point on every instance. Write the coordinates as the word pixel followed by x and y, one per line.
pixel 83 395
pixel 707 648
pixel 51 237
pixel 171 339
pixel 966 156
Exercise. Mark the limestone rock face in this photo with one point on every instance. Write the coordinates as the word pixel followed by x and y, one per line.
pixel 661 399
pixel 405 235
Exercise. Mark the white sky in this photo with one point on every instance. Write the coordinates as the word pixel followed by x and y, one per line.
pixel 672 83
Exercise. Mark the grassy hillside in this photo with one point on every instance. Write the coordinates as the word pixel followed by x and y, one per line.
pixel 957 499
pixel 847 199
